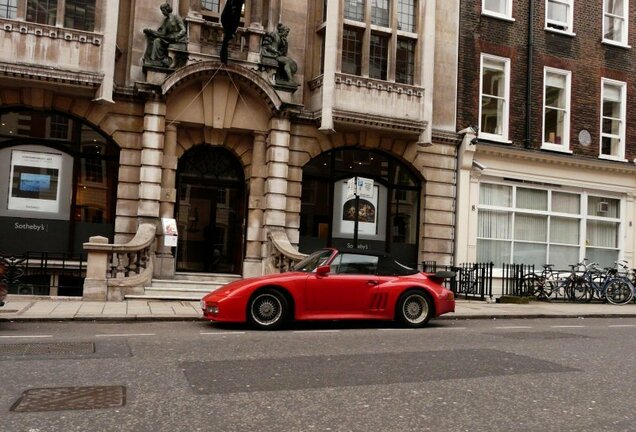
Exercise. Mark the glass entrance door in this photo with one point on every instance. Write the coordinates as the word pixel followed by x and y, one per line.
pixel 210 219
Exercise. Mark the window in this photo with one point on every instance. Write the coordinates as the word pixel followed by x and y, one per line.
pixel 352 51
pixel 518 224
pixel 556 109
pixel 500 8
pixel 494 97
pixel 378 54
pixel 370 41
pixel 8 8
pixel 406 15
pixel 210 5
pixel 613 119
pixel 80 14
pixel 348 263
pixel 212 9
pixel 615 21
pixel 558 15
pixel 42 11
pixel 405 61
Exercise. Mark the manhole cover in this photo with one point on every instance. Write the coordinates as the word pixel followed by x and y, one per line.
pixel 70 398
pixel 25 349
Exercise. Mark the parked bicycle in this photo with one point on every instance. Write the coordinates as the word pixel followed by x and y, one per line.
pixel 552 283
pixel 607 284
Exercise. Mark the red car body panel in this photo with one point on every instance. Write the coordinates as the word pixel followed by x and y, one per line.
pixel 327 297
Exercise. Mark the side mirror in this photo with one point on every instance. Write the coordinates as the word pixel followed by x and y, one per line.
pixel 323 270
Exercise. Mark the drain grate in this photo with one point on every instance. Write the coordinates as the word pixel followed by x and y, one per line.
pixel 63 348
pixel 70 398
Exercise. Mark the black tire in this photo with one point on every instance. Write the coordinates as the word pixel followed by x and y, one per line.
pixel 267 310
pixel 618 292
pixel 530 286
pixel 579 290
pixel 414 309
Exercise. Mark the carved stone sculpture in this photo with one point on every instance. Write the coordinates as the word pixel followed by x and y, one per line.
pixel 172 31
pixel 275 45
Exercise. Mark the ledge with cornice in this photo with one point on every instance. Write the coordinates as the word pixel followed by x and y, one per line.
pixel 381 122
pixel 51 74
pixel 53 32
pixel 556 159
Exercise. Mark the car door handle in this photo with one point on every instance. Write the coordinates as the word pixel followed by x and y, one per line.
pixel 373 282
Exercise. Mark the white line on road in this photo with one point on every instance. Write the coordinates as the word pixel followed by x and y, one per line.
pixel 316 331
pixel 222 333
pixel 450 328
pixel 125 334
pixel 622 325
pixel 513 327
pixel 568 326
pixel 27 336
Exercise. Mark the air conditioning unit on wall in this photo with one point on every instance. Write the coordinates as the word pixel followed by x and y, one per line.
pixel 603 207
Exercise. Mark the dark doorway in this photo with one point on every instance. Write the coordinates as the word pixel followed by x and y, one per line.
pixel 210 211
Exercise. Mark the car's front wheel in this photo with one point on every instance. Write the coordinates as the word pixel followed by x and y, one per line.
pixel 268 310
pixel 414 309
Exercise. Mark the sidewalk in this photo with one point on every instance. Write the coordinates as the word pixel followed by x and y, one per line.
pixel 18 308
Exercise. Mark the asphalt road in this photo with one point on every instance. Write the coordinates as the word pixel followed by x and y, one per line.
pixel 482 375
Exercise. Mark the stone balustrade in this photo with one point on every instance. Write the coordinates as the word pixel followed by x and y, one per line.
pixel 114 270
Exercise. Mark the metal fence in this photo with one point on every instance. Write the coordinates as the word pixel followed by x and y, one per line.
pixel 514 281
pixel 44 273
pixel 471 280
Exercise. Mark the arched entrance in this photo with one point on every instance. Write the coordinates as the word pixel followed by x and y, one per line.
pixel 210 211
pixel 387 217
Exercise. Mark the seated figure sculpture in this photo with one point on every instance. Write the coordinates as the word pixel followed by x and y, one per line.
pixel 172 30
pixel 275 45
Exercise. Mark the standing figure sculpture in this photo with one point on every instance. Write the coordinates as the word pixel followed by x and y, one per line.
pixel 172 30
pixel 230 20
pixel 275 45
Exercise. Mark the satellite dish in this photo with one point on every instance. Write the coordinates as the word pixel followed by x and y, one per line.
pixel 585 139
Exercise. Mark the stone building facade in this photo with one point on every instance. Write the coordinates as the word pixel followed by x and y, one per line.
pixel 97 142
pixel 548 176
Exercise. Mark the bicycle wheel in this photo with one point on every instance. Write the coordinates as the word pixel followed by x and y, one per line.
pixel 579 290
pixel 618 291
pixel 531 286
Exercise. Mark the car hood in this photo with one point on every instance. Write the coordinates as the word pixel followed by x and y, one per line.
pixel 243 285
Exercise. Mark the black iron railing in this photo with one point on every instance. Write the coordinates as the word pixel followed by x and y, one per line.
pixel 514 281
pixel 472 280
pixel 44 273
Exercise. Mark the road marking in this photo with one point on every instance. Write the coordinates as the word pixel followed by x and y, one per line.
pixel 222 333
pixel 126 334
pixel 568 326
pixel 396 329
pixel 316 331
pixel 27 336
pixel 513 327
pixel 450 328
pixel 622 325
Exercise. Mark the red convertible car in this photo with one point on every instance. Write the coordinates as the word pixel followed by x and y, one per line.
pixel 333 285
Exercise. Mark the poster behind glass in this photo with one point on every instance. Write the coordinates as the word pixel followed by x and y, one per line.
pixel 34 183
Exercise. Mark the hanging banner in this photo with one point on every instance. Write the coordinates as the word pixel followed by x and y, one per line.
pixel 34 183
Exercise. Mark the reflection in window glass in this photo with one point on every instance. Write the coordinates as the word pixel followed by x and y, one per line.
pixel 406 15
pixel 80 14
pixel 405 61
pixel 380 12
pixel 378 56
pixel 8 8
pixel 352 51
pixel 42 11
pixel 354 10
pixel 211 5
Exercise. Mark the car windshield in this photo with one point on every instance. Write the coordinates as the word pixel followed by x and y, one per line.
pixel 313 261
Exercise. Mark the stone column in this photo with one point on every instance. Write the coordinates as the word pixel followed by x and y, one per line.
pixel 255 233
pixel 165 265
pixel 277 159
pixel 151 161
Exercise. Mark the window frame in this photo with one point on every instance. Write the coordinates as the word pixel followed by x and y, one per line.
pixel 625 29
pixel 565 142
pixel 620 153
pixel 550 24
pixel 583 217
pixel 506 14
pixel 503 137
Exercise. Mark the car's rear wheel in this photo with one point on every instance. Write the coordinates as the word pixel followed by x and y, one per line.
pixel 268 310
pixel 414 309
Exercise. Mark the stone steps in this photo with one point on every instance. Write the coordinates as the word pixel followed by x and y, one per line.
pixel 184 286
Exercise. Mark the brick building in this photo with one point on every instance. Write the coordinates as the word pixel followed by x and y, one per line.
pixel 549 177
pixel 107 133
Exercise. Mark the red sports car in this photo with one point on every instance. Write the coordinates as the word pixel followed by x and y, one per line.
pixel 333 285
